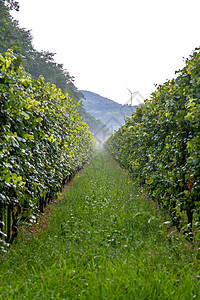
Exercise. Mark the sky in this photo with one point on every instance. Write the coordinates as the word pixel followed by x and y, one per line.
pixel 112 45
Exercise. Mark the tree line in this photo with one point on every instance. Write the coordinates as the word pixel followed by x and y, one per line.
pixel 36 62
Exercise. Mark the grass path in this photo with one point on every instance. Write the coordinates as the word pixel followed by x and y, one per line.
pixel 104 241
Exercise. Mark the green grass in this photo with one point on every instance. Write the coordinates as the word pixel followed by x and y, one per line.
pixel 104 241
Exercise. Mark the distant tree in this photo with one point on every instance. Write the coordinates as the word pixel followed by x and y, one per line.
pixel 11 4
pixel 36 63
pixel 12 35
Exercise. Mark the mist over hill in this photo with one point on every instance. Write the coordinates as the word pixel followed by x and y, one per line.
pixel 108 111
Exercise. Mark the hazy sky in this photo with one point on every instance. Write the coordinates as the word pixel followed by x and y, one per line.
pixel 112 45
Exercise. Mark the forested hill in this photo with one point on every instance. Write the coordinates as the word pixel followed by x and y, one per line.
pixel 36 62
pixel 108 111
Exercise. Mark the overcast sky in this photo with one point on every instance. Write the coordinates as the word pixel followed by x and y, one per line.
pixel 112 45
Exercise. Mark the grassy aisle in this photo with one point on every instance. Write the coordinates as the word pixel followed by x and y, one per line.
pixel 104 241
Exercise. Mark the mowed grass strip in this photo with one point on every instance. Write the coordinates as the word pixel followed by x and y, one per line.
pixel 103 241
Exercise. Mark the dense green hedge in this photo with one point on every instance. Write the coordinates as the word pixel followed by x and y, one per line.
pixel 160 144
pixel 42 138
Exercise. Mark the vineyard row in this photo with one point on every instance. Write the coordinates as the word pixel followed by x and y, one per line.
pixel 42 143
pixel 160 145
